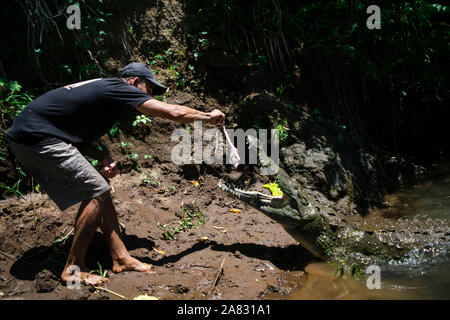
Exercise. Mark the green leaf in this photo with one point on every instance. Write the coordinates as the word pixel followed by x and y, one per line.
pixel 274 189
pixel 113 131
pixel 67 68
pixel 14 86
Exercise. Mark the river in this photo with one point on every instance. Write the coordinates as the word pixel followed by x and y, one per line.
pixel 429 197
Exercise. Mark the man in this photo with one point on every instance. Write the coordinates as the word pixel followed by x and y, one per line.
pixel 47 135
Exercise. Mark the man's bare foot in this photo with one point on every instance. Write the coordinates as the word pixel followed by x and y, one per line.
pixel 130 264
pixel 73 275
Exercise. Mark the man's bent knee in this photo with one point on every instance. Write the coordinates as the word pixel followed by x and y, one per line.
pixel 103 198
pixel 98 201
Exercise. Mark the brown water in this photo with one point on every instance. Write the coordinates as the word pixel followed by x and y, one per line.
pixel 413 279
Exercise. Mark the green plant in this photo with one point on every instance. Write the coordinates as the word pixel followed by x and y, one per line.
pixel 254 60
pixel 125 145
pixel 133 156
pixel 14 189
pixel 167 60
pixel 141 120
pixel 94 162
pixel 13 101
pixel 189 129
pixel 283 130
pixel 189 216
pixel 100 271
pixel 161 98
pixel 281 89
pixel 146 180
pixel 61 241
pixel 114 129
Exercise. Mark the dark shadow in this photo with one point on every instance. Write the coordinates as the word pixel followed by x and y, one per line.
pixel 175 257
pixel 293 257
pixel 53 258
pixel 34 261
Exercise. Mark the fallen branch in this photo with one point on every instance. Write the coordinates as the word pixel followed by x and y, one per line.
pixel 219 274
pixel 112 292
pixel 8 256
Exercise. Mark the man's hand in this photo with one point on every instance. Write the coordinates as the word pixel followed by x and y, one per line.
pixel 109 168
pixel 217 117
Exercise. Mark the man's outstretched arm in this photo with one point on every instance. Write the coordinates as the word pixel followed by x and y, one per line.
pixel 179 113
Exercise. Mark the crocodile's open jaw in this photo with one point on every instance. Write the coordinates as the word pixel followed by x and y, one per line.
pixel 275 207
pixel 284 210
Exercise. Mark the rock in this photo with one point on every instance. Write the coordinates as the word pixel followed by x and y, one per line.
pixel 179 289
pixel 176 179
pixel 183 98
pixel 81 293
pixel 46 281
pixel 20 288
pixel 153 175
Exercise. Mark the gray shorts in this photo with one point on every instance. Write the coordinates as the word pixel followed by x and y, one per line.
pixel 62 172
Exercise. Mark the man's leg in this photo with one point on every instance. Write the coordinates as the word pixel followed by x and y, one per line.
pixel 87 221
pixel 122 261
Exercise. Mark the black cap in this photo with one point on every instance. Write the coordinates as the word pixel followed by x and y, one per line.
pixel 138 69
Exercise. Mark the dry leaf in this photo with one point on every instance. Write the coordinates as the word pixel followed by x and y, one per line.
pixel 234 210
pixel 274 189
pixel 203 239
pixel 159 251
pixel 195 183
pixel 222 229
pixel 145 297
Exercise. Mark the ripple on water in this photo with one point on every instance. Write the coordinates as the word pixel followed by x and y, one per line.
pixel 423 274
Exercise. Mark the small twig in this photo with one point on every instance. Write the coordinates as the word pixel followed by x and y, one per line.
pixel 16 260
pixel 69 233
pixel 219 274
pixel 28 245
pixel 112 292
pixel 7 281
pixel 8 256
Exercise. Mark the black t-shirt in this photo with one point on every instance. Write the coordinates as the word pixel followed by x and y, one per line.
pixel 77 113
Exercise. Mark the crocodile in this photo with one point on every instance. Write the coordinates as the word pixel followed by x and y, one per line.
pixel 333 236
